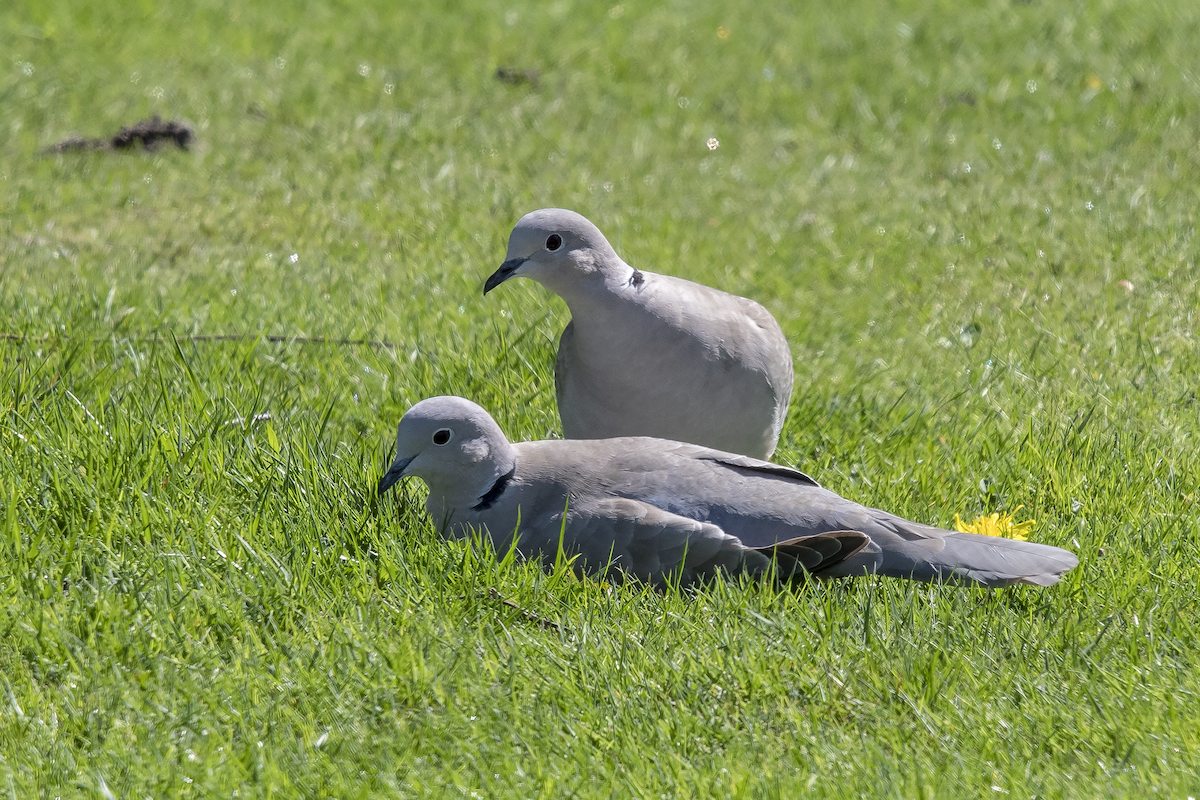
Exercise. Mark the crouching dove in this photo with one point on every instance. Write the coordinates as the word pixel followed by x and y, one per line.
pixel 652 355
pixel 662 510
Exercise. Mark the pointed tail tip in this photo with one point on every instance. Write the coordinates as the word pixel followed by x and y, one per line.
pixel 1049 574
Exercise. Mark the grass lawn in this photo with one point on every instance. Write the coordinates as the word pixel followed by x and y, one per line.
pixel 976 222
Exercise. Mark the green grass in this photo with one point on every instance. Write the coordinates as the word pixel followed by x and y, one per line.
pixel 192 606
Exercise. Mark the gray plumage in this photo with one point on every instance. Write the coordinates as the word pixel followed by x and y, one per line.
pixel 651 507
pixel 648 354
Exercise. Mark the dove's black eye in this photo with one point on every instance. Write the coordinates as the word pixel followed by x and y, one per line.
pixel 553 242
pixel 441 436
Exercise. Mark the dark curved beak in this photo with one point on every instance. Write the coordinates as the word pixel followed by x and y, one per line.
pixel 393 475
pixel 504 273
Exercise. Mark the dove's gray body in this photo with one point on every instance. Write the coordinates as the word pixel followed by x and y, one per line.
pixel 640 503
pixel 653 355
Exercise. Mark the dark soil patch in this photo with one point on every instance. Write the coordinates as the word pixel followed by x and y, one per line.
pixel 148 134
pixel 515 77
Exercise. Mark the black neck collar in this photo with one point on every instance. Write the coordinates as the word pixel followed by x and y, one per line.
pixel 493 494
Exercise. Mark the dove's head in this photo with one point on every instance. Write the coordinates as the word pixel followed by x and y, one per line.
pixel 560 250
pixel 453 445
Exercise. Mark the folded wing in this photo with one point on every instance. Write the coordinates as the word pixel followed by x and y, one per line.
pixel 657 546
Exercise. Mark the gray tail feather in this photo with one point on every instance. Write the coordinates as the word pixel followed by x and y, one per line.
pixel 994 561
pixel 923 553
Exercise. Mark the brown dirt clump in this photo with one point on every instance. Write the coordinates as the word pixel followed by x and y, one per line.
pixel 516 77
pixel 148 134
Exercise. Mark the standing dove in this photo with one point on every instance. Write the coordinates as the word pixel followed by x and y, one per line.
pixel 662 510
pixel 652 355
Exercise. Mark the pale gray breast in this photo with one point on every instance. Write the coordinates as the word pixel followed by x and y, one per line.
pixel 678 361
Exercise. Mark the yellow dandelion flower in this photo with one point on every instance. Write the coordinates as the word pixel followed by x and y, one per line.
pixel 998 524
